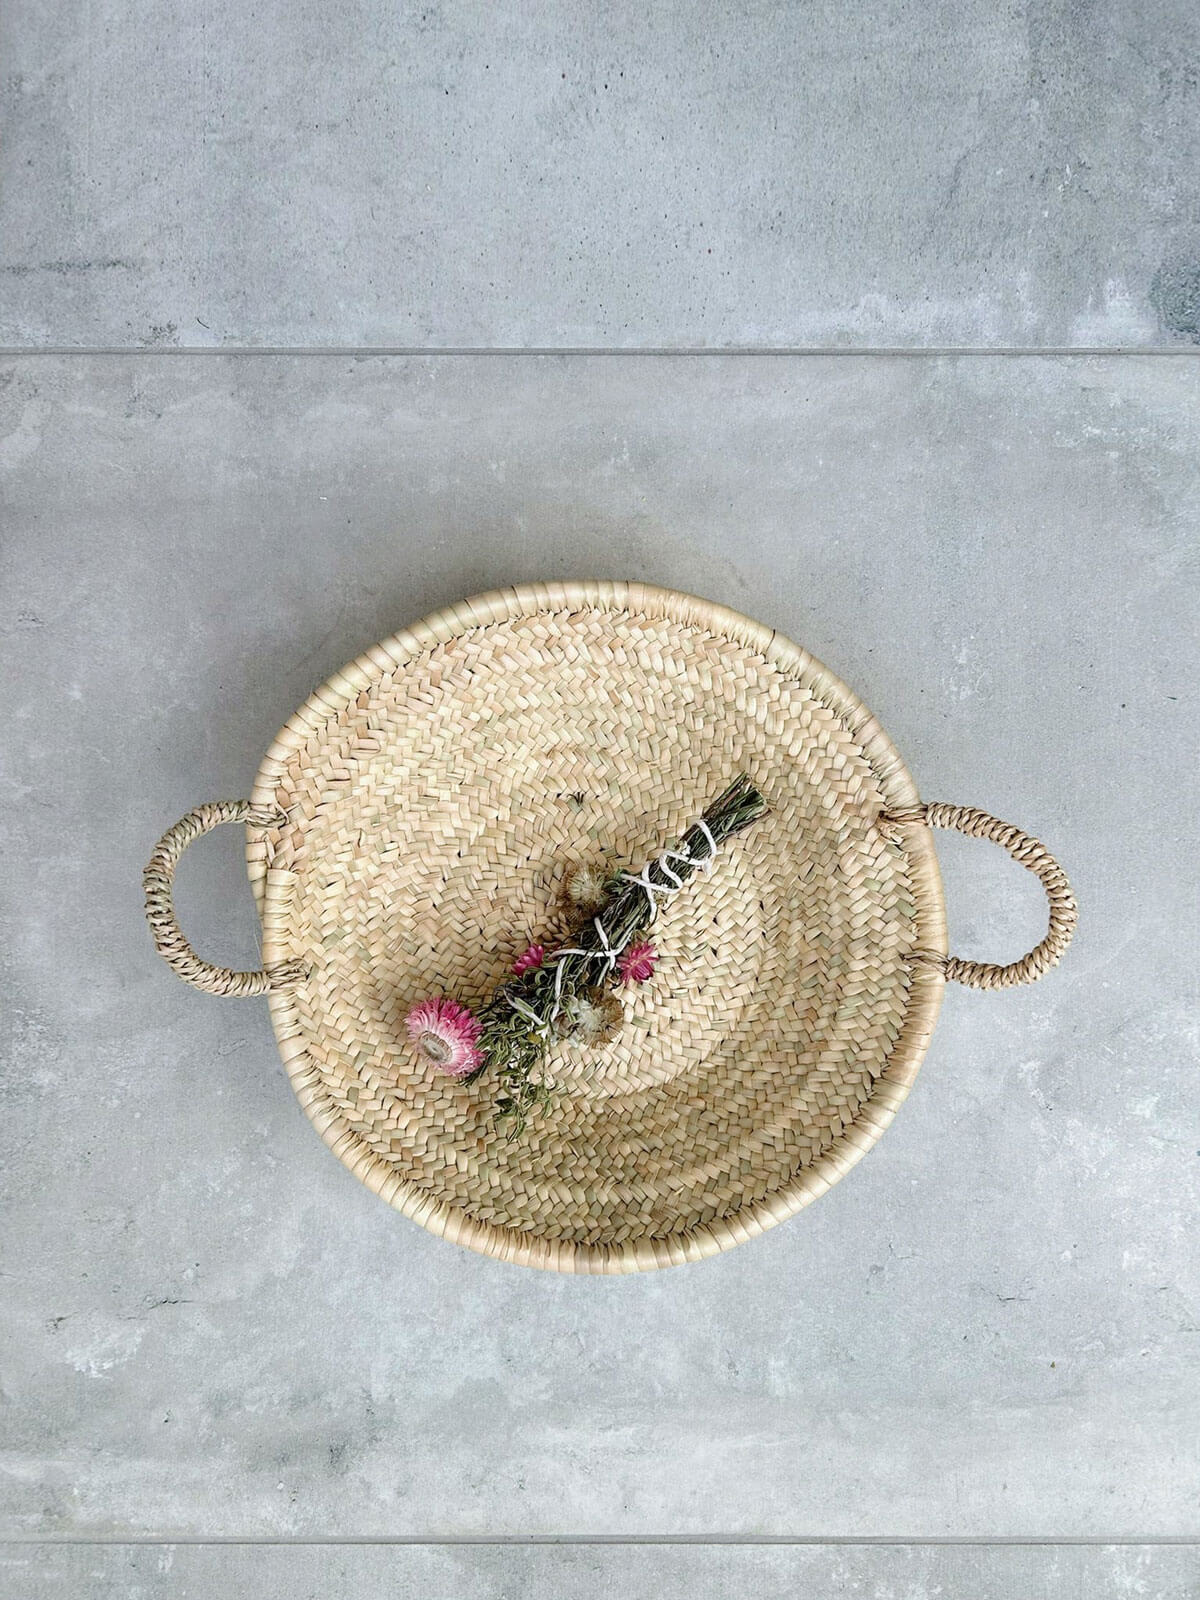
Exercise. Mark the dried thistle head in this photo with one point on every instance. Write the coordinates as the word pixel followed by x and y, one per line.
pixel 583 887
pixel 592 1017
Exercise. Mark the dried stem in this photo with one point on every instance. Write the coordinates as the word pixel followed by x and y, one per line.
pixel 512 1045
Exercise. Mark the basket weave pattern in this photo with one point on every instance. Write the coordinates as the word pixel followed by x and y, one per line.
pixel 435 793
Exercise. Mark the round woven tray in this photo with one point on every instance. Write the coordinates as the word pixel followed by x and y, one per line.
pixel 408 835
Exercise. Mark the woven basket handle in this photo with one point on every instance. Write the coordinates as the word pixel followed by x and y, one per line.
pixel 1064 913
pixel 169 940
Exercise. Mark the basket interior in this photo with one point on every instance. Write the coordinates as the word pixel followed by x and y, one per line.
pixel 437 793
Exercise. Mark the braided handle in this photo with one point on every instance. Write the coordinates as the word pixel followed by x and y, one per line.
pixel 169 940
pixel 1064 913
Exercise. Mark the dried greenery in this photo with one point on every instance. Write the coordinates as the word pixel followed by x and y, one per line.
pixel 511 1040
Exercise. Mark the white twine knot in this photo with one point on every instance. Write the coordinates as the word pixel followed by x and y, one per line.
pixel 609 953
pixel 663 891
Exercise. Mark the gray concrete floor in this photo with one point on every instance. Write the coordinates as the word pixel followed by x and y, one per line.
pixel 403 172
pixel 984 1344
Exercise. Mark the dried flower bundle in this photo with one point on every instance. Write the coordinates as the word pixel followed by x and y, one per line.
pixel 568 992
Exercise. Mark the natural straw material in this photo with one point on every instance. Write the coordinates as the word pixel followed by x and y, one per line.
pixel 438 790
pixel 158 883
pixel 1031 854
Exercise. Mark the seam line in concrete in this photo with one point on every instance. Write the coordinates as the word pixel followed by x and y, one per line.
pixel 1048 352
pixel 1099 1541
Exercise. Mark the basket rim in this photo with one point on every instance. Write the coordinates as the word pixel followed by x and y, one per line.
pixel 925 993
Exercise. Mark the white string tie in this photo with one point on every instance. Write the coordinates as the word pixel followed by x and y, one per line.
pixel 663 891
pixel 608 952
pixel 706 864
pixel 530 1015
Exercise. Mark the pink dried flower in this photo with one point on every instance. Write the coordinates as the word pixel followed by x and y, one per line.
pixel 447 1035
pixel 529 960
pixel 638 962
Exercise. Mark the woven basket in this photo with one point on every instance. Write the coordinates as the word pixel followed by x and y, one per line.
pixel 408 833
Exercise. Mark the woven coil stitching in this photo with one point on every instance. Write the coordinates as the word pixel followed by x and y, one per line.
pixel 1032 854
pixel 169 938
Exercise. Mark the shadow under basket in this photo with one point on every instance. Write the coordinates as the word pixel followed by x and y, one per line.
pixel 408 835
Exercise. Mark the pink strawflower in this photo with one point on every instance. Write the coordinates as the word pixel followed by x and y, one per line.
pixel 638 962
pixel 446 1035
pixel 529 960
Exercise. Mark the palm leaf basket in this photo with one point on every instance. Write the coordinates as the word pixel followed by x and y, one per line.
pixel 408 833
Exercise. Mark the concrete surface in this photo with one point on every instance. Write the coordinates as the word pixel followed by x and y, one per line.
pixel 598 1572
pixel 404 172
pixel 991 1330
pixel 988 1329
